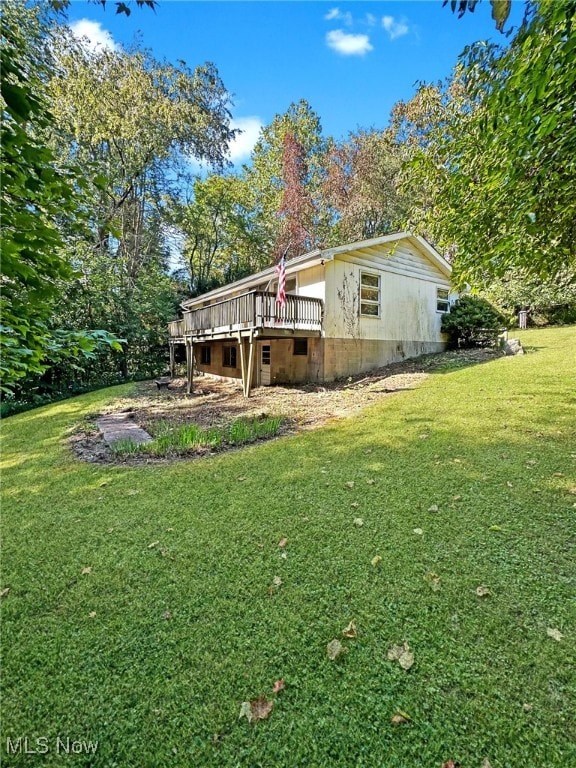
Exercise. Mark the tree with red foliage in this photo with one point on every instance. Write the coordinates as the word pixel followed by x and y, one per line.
pixel 297 208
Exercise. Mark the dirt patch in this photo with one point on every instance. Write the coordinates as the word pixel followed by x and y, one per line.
pixel 218 403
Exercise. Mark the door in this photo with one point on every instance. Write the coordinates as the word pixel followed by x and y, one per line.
pixel 265 365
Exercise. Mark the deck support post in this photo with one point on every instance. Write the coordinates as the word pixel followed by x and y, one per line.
pixel 172 360
pixel 189 366
pixel 250 364
pixel 246 362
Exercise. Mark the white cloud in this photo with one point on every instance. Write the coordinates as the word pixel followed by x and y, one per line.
pixel 243 144
pixel 92 35
pixel 240 148
pixel 395 28
pixel 337 15
pixel 370 19
pixel 348 45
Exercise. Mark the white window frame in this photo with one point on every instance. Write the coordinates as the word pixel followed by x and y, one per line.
pixel 445 302
pixel 371 302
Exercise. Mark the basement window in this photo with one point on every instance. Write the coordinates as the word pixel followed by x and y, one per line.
pixel 205 355
pixel 442 300
pixel 300 347
pixel 369 294
pixel 229 357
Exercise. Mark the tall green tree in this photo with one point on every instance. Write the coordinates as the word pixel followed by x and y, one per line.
pixel 222 239
pixel 506 155
pixel 135 122
pixel 42 203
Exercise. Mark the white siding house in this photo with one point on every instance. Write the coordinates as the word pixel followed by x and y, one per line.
pixel 349 309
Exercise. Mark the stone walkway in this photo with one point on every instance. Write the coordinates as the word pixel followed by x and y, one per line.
pixel 119 426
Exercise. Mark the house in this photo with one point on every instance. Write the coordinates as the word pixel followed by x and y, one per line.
pixel 348 309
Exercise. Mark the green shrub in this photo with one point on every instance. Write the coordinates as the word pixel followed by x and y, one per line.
pixel 472 322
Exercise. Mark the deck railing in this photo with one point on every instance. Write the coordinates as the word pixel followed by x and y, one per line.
pixel 176 328
pixel 251 311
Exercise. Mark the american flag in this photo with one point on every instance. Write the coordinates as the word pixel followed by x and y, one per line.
pixel 281 272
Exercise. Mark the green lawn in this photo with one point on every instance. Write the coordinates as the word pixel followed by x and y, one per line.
pixel 152 651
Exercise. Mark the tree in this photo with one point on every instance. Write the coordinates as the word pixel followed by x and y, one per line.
pixel 551 301
pixel 41 203
pixel 362 186
pixel 503 164
pixel 222 240
pixel 121 7
pixel 296 212
pixel 298 162
pixel 135 122
pixel 500 9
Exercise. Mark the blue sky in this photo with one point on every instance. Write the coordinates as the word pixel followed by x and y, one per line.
pixel 352 61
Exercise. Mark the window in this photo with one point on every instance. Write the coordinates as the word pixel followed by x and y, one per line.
pixel 205 355
pixel 442 300
pixel 290 285
pixel 369 294
pixel 301 346
pixel 229 357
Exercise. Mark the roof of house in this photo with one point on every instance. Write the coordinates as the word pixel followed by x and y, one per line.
pixel 319 256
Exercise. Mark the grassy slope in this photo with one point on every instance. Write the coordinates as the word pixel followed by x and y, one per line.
pixel 487 682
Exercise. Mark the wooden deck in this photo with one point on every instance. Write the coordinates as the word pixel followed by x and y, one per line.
pixel 254 313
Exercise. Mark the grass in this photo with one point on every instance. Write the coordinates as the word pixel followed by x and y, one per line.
pixel 177 621
pixel 177 440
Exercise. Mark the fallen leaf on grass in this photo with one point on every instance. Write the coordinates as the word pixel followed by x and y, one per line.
pixel 509 484
pixel 153 544
pixel 433 508
pixel 483 591
pixel 278 686
pixel 370 481
pixel 4 592
pixel 456 498
pixel 486 763
pixel 259 709
pixel 282 543
pixel 495 528
pixel 418 531
pixel 555 634
pixel 277 581
pixel 355 504
pixel 167 615
pixel 92 615
pixel 358 522
pixel 349 484
pixel 433 580
pixel 451 764
pixel 400 718
pixel 334 649
pixel 350 631
pixel 402 654
pixel 86 571
pixel 376 560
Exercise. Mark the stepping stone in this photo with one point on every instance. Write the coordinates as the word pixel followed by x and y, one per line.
pixel 119 426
